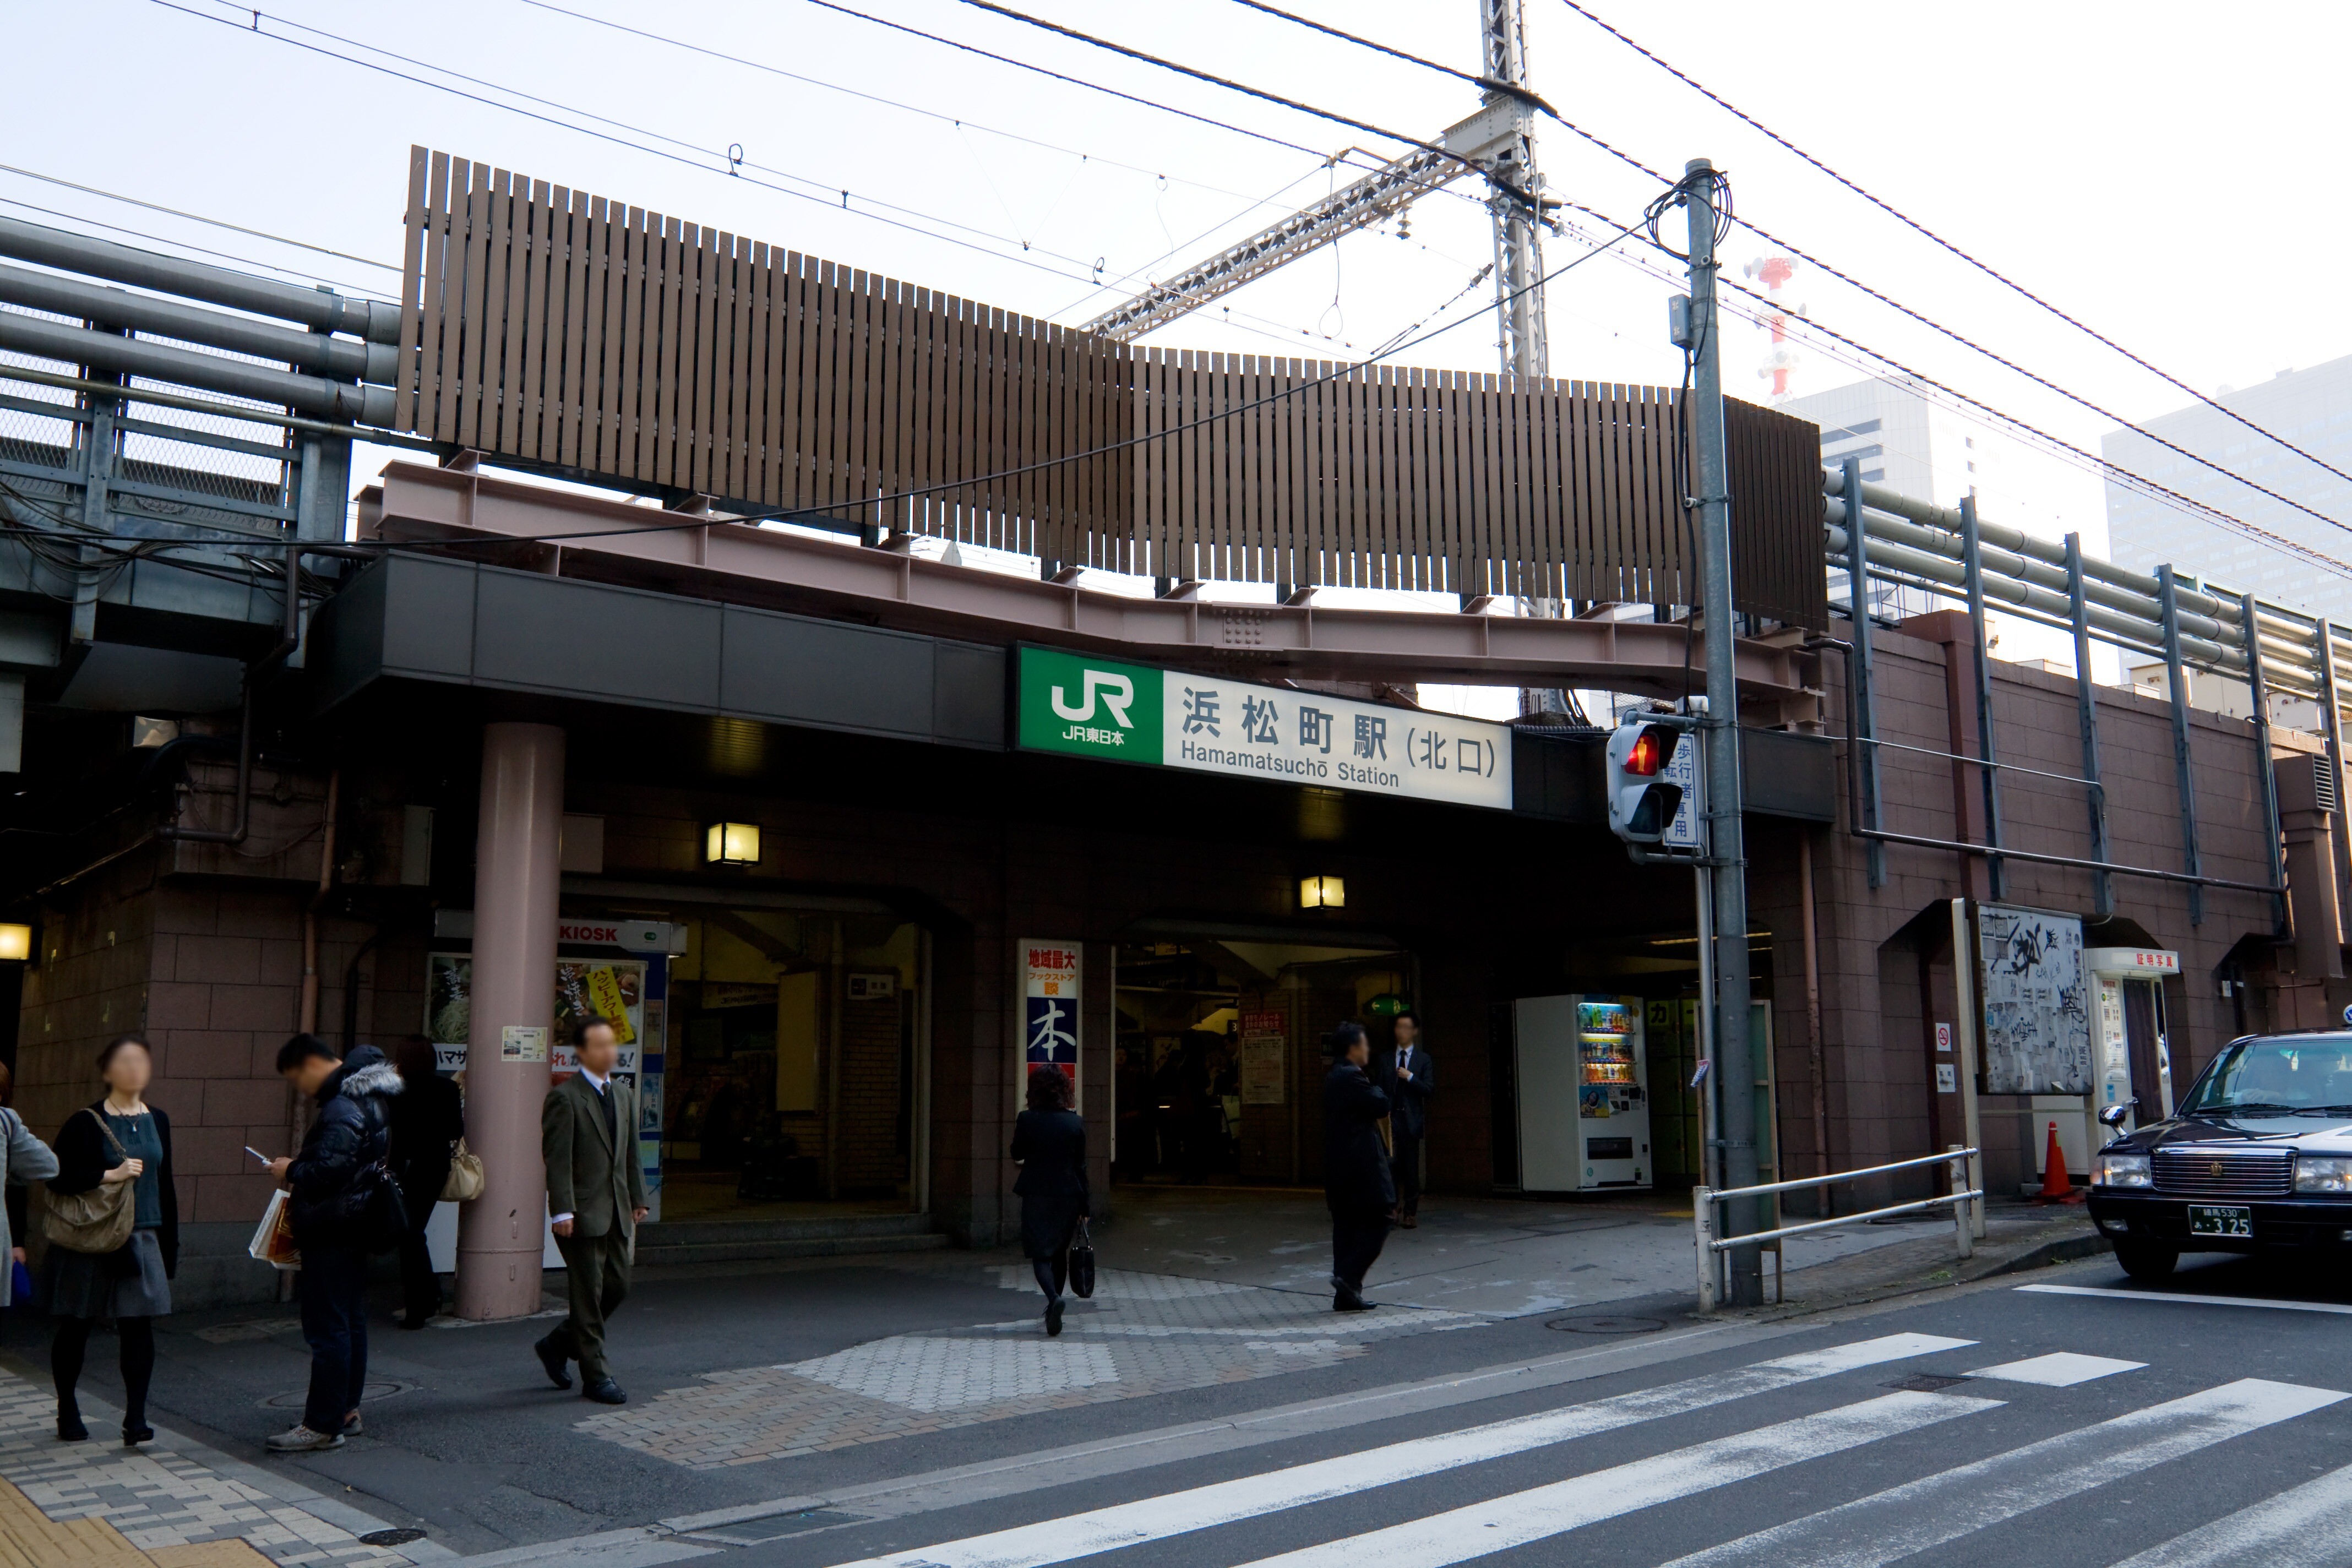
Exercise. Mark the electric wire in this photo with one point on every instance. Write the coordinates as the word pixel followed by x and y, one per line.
pixel 1524 198
pixel 1968 342
pixel 1057 76
pixel 958 121
pixel 2196 507
pixel 1016 258
pixel 733 164
pixel 1916 226
pixel 196 217
pixel 1847 278
pixel 1491 84
pixel 358 291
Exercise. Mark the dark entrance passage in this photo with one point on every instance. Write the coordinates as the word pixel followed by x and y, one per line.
pixel 1220 1055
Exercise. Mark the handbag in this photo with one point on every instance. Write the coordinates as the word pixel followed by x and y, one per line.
pixel 380 1212
pixel 465 1179
pixel 1082 1263
pixel 97 1221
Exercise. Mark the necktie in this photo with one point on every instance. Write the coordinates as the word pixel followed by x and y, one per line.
pixel 612 1127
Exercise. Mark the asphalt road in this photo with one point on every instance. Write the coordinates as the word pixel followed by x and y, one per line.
pixel 2071 1420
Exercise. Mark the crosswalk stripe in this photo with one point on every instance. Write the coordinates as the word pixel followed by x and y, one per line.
pixel 2303 1527
pixel 1895 1523
pixel 2183 1298
pixel 1247 1497
pixel 1460 1534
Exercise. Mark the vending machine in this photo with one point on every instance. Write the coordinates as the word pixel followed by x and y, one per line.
pixel 1584 1105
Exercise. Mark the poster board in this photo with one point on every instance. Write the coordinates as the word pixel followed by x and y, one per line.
pixel 2036 1014
pixel 1049 1008
pixel 1265 1057
pixel 614 988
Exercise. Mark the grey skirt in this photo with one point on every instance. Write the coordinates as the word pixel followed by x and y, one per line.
pixel 86 1285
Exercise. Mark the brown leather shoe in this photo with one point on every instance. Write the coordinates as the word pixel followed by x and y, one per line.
pixel 1410 1222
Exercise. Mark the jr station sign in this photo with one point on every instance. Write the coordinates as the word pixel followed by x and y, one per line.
pixel 1168 717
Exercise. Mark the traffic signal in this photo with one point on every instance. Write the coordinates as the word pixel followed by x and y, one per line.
pixel 1641 805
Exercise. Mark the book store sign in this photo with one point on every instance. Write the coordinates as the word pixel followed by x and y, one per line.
pixel 1167 718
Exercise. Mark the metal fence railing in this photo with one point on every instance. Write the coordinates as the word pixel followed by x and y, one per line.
pixel 1706 1202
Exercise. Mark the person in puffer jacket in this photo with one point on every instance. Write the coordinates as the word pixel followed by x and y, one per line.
pixel 329 1187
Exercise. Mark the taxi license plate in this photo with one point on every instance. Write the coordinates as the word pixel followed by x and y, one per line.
pixel 2209 1220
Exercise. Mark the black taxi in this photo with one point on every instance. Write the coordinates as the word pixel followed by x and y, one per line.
pixel 2257 1155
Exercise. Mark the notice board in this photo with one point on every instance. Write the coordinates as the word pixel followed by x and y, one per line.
pixel 2037 1022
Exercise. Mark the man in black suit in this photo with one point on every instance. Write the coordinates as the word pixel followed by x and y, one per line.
pixel 1357 1182
pixel 1408 1076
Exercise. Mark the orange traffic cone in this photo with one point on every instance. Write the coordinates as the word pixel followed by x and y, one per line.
pixel 2055 1186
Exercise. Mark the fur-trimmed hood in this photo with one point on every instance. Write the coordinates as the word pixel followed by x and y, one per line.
pixel 364 1075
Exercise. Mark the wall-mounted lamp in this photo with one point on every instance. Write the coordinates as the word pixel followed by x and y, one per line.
pixel 731 844
pixel 1322 893
pixel 16 942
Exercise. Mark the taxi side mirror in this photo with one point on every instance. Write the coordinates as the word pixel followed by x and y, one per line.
pixel 2113 1115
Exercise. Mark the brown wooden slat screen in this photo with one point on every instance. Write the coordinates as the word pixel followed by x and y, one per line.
pixel 575 332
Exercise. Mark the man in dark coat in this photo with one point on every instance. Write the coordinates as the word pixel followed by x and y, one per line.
pixel 329 1188
pixel 595 1200
pixel 1358 1183
pixel 1407 1074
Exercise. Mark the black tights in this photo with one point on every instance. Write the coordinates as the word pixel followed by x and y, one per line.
pixel 66 1352
pixel 1052 1273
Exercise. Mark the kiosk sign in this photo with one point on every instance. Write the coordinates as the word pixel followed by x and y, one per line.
pixel 1165 718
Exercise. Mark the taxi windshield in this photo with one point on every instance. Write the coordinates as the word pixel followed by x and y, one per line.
pixel 2276 1078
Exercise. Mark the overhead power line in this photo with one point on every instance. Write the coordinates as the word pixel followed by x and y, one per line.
pixel 959 121
pixel 1057 76
pixel 1491 84
pixel 715 167
pixel 196 217
pixel 2238 524
pixel 1230 85
pixel 1916 226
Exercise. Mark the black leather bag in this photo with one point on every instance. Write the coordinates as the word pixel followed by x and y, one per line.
pixel 1082 1263
pixel 378 1213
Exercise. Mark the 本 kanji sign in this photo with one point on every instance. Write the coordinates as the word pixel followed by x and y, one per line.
pixel 1133 713
pixel 1049 1008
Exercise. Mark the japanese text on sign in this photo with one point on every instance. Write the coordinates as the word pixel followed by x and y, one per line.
pixel 1049 1003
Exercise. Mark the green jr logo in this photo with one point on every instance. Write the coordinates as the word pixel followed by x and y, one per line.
pixel 1116 690
pixel 1093 707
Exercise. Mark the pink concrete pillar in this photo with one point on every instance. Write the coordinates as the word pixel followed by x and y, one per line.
pixel 516 883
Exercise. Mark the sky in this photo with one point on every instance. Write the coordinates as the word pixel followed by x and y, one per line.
pixel 2147 167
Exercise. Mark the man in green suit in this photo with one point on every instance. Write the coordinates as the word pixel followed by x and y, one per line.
pixel 596 1197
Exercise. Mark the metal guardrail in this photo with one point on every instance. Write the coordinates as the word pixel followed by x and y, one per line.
pixel 1711 1248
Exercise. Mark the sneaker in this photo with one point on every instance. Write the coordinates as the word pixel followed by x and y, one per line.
pixel 353 1425
pixel 300 1439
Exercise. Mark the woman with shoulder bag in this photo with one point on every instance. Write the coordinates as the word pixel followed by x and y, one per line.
pixel 22 1159
pixel 113 1227
pixel 1049 1144
pixel 428 1118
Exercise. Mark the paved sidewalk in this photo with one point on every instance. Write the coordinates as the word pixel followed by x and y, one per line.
pixel 161 1495
pixel 1141 1334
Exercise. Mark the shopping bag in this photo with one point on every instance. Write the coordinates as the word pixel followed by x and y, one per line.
pixel 1082 1263
pixel 273 1238
pixel 20 1286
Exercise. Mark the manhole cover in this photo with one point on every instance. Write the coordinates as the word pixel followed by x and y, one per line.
pixel 391 1537
pixel 1924 1383
pixel 1607 1325
pixel 295 1400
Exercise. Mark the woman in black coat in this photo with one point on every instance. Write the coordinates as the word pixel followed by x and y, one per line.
pixel 428 1117
pixel 1049 1144
pixel 118 1138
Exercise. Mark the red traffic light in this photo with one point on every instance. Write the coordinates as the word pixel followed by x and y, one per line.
pixel 1651 749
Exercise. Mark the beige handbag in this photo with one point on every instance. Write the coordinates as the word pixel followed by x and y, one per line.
pixel 97 1221
pixel 464 1183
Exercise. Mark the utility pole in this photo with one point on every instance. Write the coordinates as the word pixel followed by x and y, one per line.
pixel 1735 1065
pixel 1518 231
